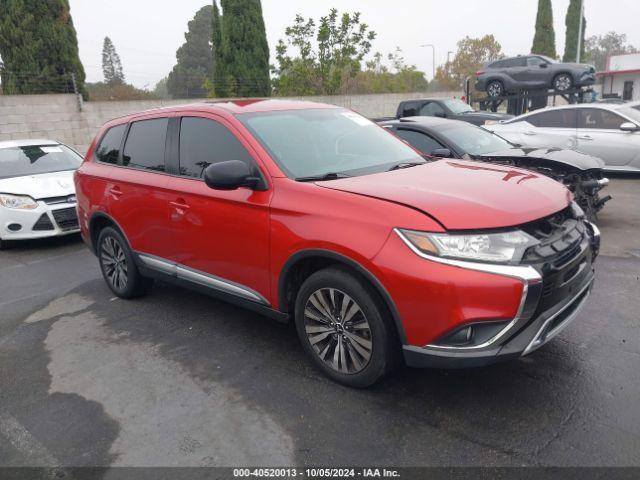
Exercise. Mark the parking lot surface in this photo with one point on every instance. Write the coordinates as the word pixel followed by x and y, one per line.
pixel 180 379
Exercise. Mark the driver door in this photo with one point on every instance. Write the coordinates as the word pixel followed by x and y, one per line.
pixel 220 238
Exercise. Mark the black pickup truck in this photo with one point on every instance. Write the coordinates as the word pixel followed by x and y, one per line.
pixel 451 108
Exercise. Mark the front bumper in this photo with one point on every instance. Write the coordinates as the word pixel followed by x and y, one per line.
pixel 549 303
pixel 42 222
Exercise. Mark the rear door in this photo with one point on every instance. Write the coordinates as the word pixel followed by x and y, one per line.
pixel 137 194
pixel 549 128
pixel 599 134
pixel 220 238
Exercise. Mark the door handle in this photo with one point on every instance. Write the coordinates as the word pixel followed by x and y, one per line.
pixel 179 204
pixel 115 192
pixel 585 137
pixel 530 133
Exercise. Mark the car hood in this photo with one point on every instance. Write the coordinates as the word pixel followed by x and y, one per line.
pixel 44 185
pixel 572 158
pixel 464 195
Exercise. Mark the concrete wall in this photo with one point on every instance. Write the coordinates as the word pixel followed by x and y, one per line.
pixel 57 117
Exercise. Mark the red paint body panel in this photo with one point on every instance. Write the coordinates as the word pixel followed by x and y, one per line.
pixel 247 236
pixel 465 195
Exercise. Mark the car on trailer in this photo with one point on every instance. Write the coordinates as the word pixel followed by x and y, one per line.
pixel 531 72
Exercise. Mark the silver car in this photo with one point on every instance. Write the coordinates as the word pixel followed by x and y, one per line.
pixel 608 131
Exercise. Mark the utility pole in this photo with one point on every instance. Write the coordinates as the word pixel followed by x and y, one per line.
pixel 580 26
pixel 434 59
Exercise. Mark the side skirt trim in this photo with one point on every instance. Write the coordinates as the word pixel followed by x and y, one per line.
pixel 183 272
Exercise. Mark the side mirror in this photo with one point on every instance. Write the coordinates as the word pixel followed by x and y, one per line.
pixel 629 127
pixel 441 153
pixel 230 175
pixel 544 65
pixel 440 115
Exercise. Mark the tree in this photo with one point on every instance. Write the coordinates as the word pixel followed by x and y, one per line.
pixel 195 58
pixel 599 47
pixel 472 54
pixel 111 64
pixel 241 50
pixel 544 41
pixel 39 47
pixel 398 78
pixel 327 57
pixel 572 22
pixel 219 85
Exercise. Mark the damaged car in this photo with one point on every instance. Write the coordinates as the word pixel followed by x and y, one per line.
pixel 440 138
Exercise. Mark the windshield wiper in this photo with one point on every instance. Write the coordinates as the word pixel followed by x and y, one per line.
pixel 400 166
pixel 323 177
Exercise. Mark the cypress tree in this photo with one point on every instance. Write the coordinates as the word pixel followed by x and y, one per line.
pixel 572 23
pixel 195 58
pixel 39 47
pixel 544 41
pixel 111 64
pixel 220 79
pixel 245 51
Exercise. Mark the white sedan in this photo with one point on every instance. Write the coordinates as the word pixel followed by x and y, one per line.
pixel 37 194
pixel 608 131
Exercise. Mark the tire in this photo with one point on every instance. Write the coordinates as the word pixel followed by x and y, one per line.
pixel 495 89
pixel 562 82
pixel 118 266
pixel 352 344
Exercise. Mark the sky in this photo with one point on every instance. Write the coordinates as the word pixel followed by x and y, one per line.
pixel 147 33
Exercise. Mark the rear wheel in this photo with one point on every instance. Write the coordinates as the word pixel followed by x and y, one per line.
pixel 340 323
pixel 495 89
pixel 118 267
pixel 563 82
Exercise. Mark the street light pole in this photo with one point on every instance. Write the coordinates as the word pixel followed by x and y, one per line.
pixel 434 59
pixel 579 52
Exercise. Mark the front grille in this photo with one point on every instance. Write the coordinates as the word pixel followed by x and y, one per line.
pixel 559 237
pixel 66 218
pixel 43 224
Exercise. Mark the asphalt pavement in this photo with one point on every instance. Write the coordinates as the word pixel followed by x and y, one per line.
pixel 179 379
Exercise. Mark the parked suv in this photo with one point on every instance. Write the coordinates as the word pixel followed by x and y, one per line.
pixel 532 72
pixel 313 214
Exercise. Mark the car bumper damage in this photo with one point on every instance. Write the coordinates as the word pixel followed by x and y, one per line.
pixel 553 294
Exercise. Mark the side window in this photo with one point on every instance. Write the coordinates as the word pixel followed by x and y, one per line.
pixel 420 141
pixel 599 119
pixel 144 148
pixel 565 118
pixel 515 62
pixel 204 142
pixel 535 61
pixel 431 109
pixel 109 149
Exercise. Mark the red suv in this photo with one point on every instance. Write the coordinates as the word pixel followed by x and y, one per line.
pixel 313 214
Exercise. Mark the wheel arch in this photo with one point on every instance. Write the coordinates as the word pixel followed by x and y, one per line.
pixel 309 261
pixel 97 223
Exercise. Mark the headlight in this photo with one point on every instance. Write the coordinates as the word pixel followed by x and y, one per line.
pixel 502 247
pixel 18 202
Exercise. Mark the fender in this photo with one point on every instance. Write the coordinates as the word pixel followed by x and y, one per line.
pixel 328 254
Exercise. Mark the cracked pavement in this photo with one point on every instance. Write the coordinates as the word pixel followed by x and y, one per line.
pixel 180 379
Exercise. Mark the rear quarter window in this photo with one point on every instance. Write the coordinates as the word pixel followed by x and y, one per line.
pixel 108 150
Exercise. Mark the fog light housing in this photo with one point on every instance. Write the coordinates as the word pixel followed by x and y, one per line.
pixel 15 227
pixel 471 336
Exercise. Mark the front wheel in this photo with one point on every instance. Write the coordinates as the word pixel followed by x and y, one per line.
pixel 341 325
pixel 563 82
pixel 118 267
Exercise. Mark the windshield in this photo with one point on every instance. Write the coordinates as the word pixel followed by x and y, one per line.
pixel 457 106
pixel 550 60
pixel 33 160
pixel 632 112
pixel 475 140
pixel 309 143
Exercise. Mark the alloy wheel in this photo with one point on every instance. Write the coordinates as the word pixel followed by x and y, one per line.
pixel 114 263
pixel 495 89
pixel 338 331
pixel 563 83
